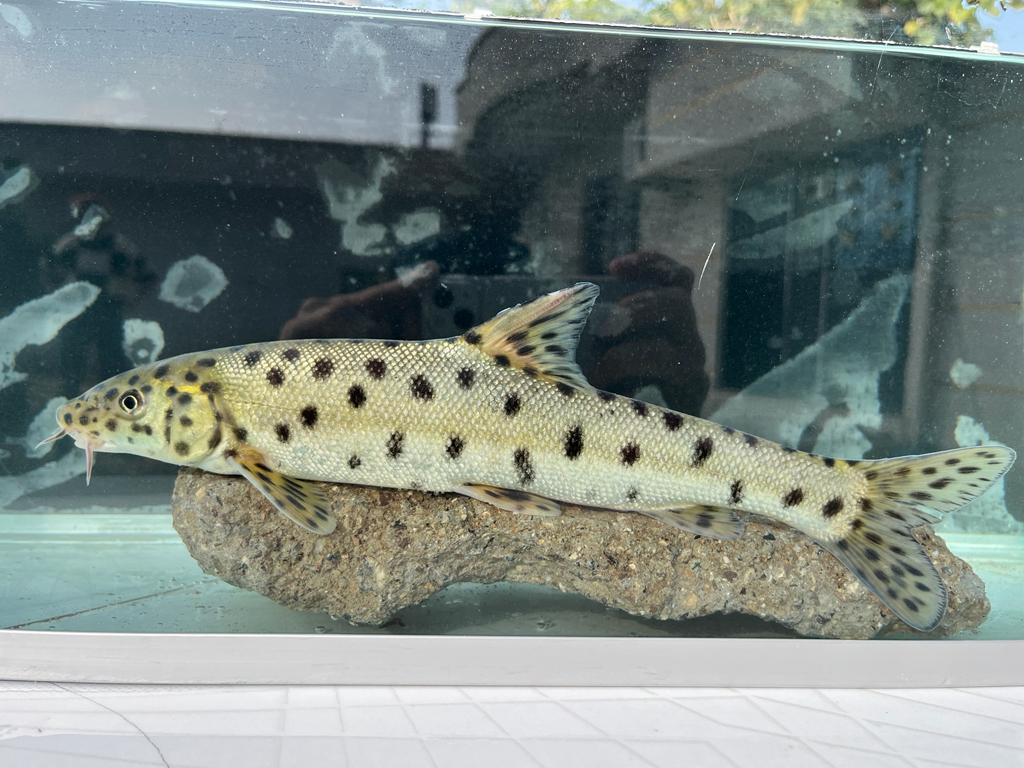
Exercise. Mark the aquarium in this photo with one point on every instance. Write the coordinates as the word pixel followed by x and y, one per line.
pixel 816 242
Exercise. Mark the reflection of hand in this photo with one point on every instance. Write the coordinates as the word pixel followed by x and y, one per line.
pixel 385 311
pixel 650 337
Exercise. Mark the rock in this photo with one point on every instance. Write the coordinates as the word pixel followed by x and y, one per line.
pixel 393 549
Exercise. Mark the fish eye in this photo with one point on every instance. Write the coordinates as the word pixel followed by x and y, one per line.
pixel 130 401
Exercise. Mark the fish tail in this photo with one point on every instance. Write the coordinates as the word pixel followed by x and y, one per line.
pixel 902 494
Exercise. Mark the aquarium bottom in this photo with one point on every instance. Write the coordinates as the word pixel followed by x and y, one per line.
pixel 129 572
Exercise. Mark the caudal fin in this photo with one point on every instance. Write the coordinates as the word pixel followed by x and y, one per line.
pixel 902 494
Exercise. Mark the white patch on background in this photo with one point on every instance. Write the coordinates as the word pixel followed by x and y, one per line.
pixel 349 197
pixel 13 487
pixel 16 186
pixel 43 425
pixel 38 321
pixel 964 374
pixel 17 19
pixel 988 512
pixel 417 226
pixel 143 340
pixel 352 44
pixel 409 276
pixel 650 393
pixel 193 283
pixel 92 220
pixel 840 370
pixel 281 229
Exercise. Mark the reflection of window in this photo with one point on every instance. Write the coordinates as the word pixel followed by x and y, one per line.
pixel 805 247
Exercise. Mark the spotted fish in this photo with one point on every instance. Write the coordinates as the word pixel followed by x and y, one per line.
pixel 503 414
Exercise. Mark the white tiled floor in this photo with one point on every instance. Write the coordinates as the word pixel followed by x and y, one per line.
pixel 48 725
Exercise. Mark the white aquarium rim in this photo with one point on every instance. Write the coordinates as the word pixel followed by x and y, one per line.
pixel 506 661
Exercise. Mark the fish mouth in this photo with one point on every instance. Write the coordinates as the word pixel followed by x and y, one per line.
pixel 90 446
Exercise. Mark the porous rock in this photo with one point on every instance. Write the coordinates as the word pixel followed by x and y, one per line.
pixel 393 549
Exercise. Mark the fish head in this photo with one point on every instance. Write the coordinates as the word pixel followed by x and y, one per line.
pixel 160 412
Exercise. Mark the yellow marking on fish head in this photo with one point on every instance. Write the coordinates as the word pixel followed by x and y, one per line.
pixel 166 411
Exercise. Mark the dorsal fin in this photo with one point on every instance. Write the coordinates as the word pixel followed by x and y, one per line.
pixel 540 337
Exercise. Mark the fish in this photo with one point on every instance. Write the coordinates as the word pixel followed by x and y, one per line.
pixel 502 413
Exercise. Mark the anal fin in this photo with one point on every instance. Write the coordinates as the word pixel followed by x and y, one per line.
pixel 710 522
pixel 301 501
pixel 511 500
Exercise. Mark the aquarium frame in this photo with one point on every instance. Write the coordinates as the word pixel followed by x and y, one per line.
pixel 95 657
pixel 438 660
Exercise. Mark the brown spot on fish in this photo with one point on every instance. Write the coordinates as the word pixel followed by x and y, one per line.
pixel 161 371
pixel 574 442
pixel 466 377
pixel 309 415
pixel 181 448
pixel 421 388
pixel 455 446
pixel 376 368
pixel 395 444
pixel 793 498
pixel 206 362
pixel 322 368
pixel 68 419
pixel 521 459
pixel 607 396
pixel 639 407
pixel 702 450
pixel 191 376
pixel 512 404
pixel 283 432
pixel 241 434
pixel 565 389
pixel 630 453
pixel 673 420
pixel 472 337
pixel 185 421
pixel 502 360
pixel 184 398
pixel 275 377
pixel 750 440
pixel 251 358
pixel 736 492
pixel 291 354
pixel 829 462
pixel 210 387
pixel 111 425
pixel 832 507
pixel 356 396
pixel 354 461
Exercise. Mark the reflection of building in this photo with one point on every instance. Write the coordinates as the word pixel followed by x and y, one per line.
pixel 813 173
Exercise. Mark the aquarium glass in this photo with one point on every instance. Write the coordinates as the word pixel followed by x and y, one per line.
pixel 817 242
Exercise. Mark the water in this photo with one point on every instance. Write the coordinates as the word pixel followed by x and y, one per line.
pixel 818 243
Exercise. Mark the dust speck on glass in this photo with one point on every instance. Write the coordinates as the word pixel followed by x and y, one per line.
pixel 753 272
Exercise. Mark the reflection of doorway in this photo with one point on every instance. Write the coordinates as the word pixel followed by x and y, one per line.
pixel 805 247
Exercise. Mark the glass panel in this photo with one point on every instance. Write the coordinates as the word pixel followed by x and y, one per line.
pixel 816 243
pixel 989 24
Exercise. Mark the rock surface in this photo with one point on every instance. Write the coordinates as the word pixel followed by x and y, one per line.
pixel 393 549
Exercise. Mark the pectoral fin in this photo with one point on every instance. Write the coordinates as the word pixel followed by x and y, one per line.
pixel 301 501
pixel 511 500
pixel 711 522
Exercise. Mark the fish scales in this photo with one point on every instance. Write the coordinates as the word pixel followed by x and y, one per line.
pixel 540 423
pixel 503 414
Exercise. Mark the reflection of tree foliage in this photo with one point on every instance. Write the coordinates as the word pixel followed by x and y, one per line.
pixel 924 22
